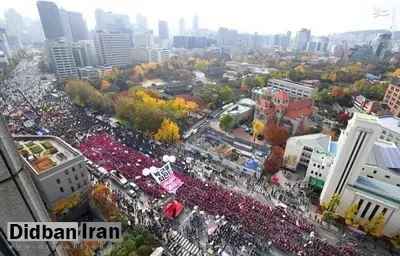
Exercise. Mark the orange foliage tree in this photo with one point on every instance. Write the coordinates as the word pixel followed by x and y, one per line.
pixel 337 92
pixel 276 135
pixel 331 133
pixel 63 206
pixel 86 248
pixel 105 200
pixel 274 161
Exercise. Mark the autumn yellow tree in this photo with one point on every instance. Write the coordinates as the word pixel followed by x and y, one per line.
pixel 333 77
pixel 260 80
pixel 64 205
pixel 110 75
pixel 337 92
pixel 329 208
pixel 351 218
pixel 105 84
pixel 395 73
pixel 86 248
pixel 283 65
pixel 395 240
pixel 304 58
pixel 300 69
pixel 139 72
pixel 375 226
pixel 169 131
pixel 202 64
pixel 258 127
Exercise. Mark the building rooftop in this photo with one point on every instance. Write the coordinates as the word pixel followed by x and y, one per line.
pixel 293 82
pixel 391 123
pixel 281 95
pixel 44 152
pixel 334 147
pixel 236 109
pixel 247 102
pixel 385 156
pixel 317 140
pixel 378 188
pixel 366 118
pixel 323 153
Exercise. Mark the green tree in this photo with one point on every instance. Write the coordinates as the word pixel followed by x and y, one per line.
pixel 323 96
pixel 225 94
pixel 329 209
pixel 42 65
pixel 225 121
pixel 260 81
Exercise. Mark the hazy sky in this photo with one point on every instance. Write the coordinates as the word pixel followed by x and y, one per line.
pixel 264 16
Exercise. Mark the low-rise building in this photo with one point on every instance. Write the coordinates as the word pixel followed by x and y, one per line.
pixel 140 55
pixel 275 107
pixel 370 107
pixel 241 112
pixel 57 169
pixel 89 73
pixel 156 55
pixel 294 89
pixel 390 129
pixel 392 97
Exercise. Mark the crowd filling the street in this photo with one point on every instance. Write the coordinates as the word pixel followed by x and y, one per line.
pixel 226 219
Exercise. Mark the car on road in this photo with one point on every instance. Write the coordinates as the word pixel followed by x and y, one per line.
pixel 132 193
pixel 133 186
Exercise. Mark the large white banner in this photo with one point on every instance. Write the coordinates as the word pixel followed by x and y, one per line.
pixel 166 178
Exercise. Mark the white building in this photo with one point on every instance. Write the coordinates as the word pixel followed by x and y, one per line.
pixel 89 73
pixel 390 129
pixel 299 149
pixel 374 194
pixel 88 52
pixel 294 89
pixel 156 55
pixel 318 168
pixel 144 40
pixel 59 172
pixel 15 22
pixel 140 55
pixel 113 49
pixel 62 59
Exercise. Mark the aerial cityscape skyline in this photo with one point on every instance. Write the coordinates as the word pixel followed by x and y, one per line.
pixel 253 19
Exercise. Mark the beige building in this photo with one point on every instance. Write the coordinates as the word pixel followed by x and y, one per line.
pixel 57 169
pixel 392 97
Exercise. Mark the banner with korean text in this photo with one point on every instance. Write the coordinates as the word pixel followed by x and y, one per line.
pixel 166 178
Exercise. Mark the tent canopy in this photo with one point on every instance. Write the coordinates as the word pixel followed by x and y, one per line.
pixel 173 209
pixel 251 164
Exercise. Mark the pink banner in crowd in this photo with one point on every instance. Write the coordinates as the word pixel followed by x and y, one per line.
pixel 171 184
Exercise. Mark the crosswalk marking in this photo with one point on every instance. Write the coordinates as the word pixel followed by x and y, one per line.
pixel 186 248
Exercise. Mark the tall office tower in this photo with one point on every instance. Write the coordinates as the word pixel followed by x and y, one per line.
pixel 256 41
pixel 227 37
pixel 89 52
pixel 78 26
pixel 19 200
pixel 354 146
pixel 141 24
pixel 113 49
pixel 163 30
pixel 14 43
pixel 107 21
pixel 182 29
pixel 66 25
pixel 4 44
pixel 318 45
pixel 15 22
pixel 381 45
pixel 62 59
pixel 195 29
pixel 302 38
pixel 288 37
pixel 3 23
pixel 51 20
pixel 144 40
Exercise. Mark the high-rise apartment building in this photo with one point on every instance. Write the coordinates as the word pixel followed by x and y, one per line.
pixel 302 38
pixel 227 37
pixel 51 20
pixel 14 43
pixel 163 30
pixel 15 22
pixel 88 52
pixel 140 55
pixel 190 42
pixel 392 97
pixel 381 46
pixel 19 200
pixel 62 59
pixel 66 25
pixel 144 39
pixel 182 29
pixel 195 29
pixel 288 37
pixel 113 49
pixel 318 45
pixel 78 26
